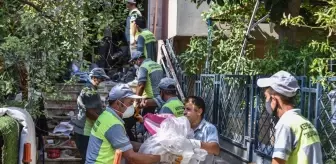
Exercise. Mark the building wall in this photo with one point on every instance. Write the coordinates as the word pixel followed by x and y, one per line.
pixel 184 19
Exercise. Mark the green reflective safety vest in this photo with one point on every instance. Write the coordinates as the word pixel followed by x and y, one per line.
pixel 306 133
pixel 176 106
pixel 149 38
pixel 154 75
pixel 102 124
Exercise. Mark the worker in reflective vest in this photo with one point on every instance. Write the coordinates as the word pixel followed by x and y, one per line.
pixel 168 94
pixel 149 75
pixel 134 13
pixel 167 101
pixel 89 108
pixel 108 133
pixel 296 138
pixel 146 42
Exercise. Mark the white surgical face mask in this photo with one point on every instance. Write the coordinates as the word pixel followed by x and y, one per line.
pixel 129 112
pixel 136 66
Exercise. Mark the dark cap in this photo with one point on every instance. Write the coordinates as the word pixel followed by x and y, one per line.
pixel 99 73
pixel 167 84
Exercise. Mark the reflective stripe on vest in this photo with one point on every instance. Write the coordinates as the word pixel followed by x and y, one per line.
pixel 135 12
pixel 176 106
pixel 307 134
pixel 149 38
pixel 103 123
pixel 151 67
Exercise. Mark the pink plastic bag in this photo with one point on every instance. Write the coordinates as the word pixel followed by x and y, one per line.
pixel 152 121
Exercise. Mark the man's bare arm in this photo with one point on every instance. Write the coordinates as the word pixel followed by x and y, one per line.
pixel 137 158
pixel 211 148
pixel 140 88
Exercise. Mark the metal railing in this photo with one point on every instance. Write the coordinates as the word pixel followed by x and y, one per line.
pixel 235 105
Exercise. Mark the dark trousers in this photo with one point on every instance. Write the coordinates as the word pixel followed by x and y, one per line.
pixel 82 142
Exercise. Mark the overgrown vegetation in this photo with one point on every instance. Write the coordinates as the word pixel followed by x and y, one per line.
pixel 38 40
pixel 227 37
pixel 302 58
pixel 310 57
pixel 324 18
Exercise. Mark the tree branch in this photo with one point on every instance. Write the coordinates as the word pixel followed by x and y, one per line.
pixel 37 8
pixel 31 4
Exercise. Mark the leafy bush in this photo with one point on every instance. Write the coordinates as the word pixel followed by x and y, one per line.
pixel 38 39
pixel 294 59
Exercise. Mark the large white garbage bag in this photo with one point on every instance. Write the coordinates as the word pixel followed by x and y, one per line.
pixel 171 137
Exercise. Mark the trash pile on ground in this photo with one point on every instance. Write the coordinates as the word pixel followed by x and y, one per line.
pixel 172 137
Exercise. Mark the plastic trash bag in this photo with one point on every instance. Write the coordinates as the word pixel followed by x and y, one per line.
pixel 172 137
pixel 152 121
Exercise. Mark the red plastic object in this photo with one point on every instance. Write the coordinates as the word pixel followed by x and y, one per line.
pixel 54 153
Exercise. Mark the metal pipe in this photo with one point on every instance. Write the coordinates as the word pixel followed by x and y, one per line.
pixel 242 52
pixel 155 18
pixel 260 20
pixel 207 64
pixel 148 14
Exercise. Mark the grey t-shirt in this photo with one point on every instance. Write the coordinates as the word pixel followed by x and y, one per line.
pixel 88 99
pixel 286 140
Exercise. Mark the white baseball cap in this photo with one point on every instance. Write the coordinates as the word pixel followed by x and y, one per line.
pixel 282 82
pixel 131 1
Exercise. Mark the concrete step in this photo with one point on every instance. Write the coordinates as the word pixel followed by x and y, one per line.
pixel 106 86
pixel 70 160
pixel 69 104
pixel 69 96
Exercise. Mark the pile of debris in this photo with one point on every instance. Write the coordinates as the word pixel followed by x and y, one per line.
pixel 59 146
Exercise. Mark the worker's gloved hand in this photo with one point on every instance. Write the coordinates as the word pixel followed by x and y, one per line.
pixel 168 158
pixel 195 143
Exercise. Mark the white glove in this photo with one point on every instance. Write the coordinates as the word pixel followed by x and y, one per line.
pixel 195 143
pixel 169 158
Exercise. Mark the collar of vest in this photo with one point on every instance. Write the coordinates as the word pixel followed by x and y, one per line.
pixel 111 110
pixel 172 98
pixel 146 60
pixel 292 111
